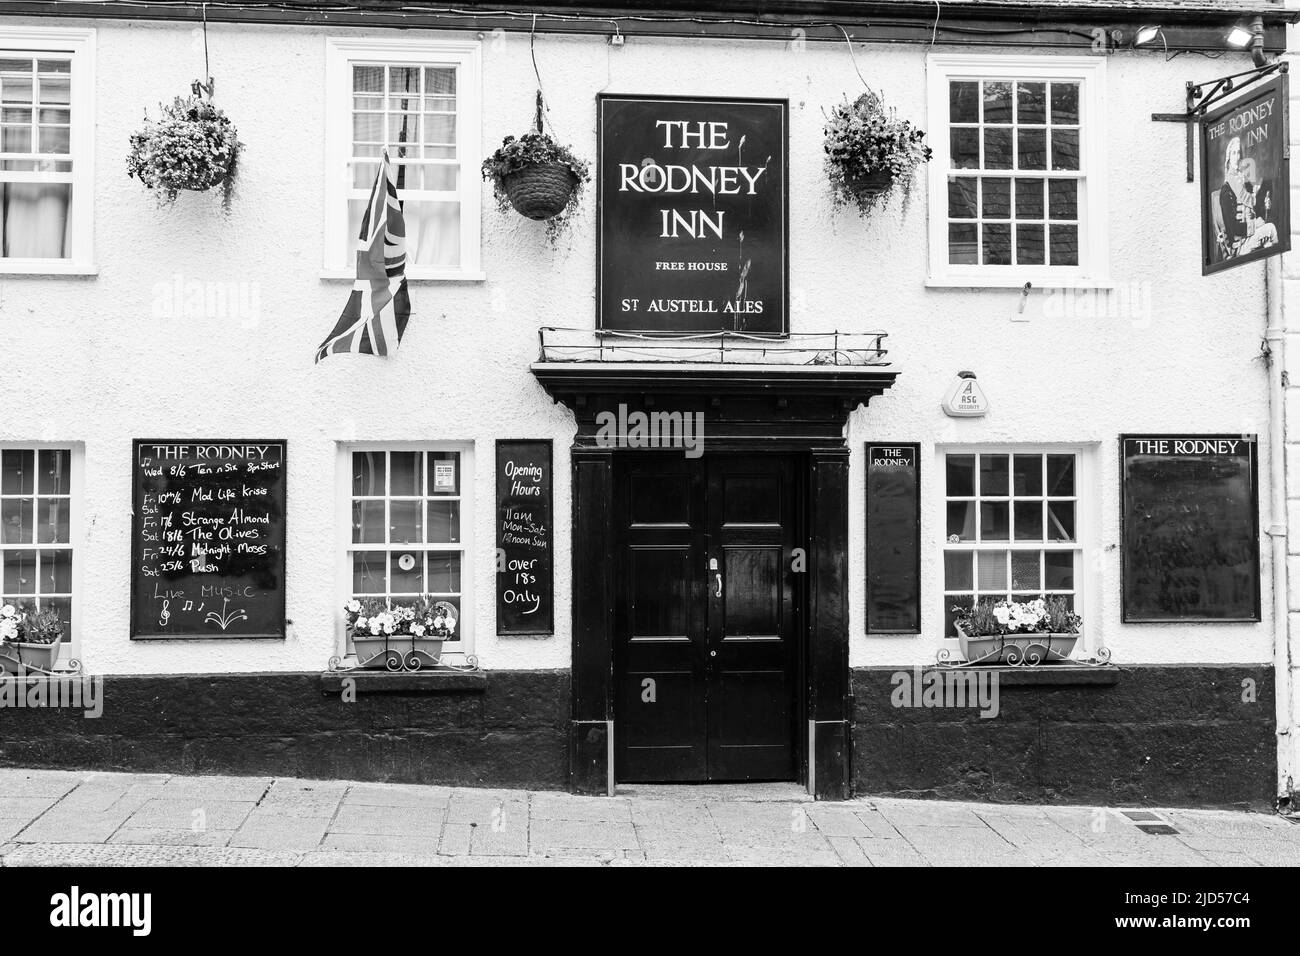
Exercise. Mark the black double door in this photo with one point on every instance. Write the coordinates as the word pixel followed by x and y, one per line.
pixel 705 618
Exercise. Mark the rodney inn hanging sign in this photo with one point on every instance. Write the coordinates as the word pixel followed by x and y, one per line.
pixel 693 215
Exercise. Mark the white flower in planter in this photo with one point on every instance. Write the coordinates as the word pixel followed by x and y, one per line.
pixel 8 629
pixel 417 630
pixel 361 624
pixel 354 605
pixel 8 611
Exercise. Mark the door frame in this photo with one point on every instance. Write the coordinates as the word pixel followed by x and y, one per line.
pixel 799 517
pixel 747 409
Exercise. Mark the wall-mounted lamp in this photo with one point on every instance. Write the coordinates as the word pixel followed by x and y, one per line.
pixel 1146 35
pixel 1240 37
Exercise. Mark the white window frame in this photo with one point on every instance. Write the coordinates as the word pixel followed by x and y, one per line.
pixel 80 43
pixel 1087 505
pixel 343 495
pixel 340 54
pixel 71 649
pixel 1093 270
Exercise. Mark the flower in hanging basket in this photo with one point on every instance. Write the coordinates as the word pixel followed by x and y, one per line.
pixel 193 146
pixel 539 178
pixel 870 152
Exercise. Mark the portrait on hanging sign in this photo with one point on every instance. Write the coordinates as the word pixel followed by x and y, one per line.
pixel 1245 202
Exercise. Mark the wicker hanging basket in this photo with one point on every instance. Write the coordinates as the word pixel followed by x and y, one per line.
pixel 870 185
pixel 542 191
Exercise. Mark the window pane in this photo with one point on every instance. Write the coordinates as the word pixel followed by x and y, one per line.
pixel 62 607
pixel 961 475
pixel 997 102
pixel 1026 569
pixel 997 244
pixel 405 572
pixel 52 521
pixel 368 572
pixel 1060 521
pixel 20 572
pixel 368 522
pixel 1065 149
pixel 432 233
pixel 1031 249
pixel 440 80
pixel 444 522
pixel 1063 198
pixel 444 572
pixel 1029 521
pixel 1059 570
pixel 992 570
pixel 1029 199
pixel 368 127
pixel 1032 149
pixel 993 475
pixel 997 147
pixel 1031 102
pixel 961 197
pixel 368 473
pixel 444 473
pixel 406 522
pixel 961 520
pixel 368 79
pixel 16 520
pixel 963 102
pixel 55 139
pixel 1065 103
pixel 949 618
pixel 55 472
pixel 56 571
pixel 17 471
pixel 1065 244
pixel 995 520
pixel 1028 474
pixel 407 476
pixel 996 198
pixel 404 79
pixel 36 220
pixel 1060 475
pixel 964 143
pixel 963 243
pixel 957 575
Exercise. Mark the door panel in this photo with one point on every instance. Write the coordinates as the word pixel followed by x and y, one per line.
pixel 705 658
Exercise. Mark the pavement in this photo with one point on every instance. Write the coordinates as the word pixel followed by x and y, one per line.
pixel 80 818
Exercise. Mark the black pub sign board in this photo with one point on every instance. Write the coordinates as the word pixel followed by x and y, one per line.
pixel 1190 528
pixel 1245 179
pixel 207 539
pixel 525 538
pixel 693 218
pixel 893 539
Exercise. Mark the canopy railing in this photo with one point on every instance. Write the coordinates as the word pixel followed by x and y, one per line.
pixel 798 348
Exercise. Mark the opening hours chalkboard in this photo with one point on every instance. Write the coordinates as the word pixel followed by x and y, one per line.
pixel 525 538
pixel 207 539
pixel 1191 528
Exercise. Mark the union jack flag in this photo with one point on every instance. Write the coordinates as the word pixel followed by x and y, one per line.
pixel 378 308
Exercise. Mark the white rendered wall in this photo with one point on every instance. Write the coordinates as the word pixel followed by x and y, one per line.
pixel 87 360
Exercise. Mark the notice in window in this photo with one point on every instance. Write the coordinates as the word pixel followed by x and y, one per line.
pixel 207 539
pixel 1191 528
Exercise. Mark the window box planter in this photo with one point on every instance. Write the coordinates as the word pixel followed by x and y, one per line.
pixel 20 657
pixel 1039 647
pixel 396 653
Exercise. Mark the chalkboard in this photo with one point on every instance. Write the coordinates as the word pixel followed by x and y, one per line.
pixel 207 539
pixel 893 539
pixel 1190 528
pixel 525 538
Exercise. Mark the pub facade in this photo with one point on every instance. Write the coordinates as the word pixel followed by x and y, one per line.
pixel 700 486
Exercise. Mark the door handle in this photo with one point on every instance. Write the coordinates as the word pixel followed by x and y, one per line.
pixel 718 593
pixel 713 566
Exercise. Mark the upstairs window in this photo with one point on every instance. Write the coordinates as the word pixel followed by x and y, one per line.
pixel 420 102
pixel 46 150
pixel 1016 184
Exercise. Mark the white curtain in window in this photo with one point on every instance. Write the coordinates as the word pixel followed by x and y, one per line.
pixel 36 220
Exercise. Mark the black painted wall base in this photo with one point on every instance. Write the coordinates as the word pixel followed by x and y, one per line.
pixel 1161 735
pixel 1178 735
pixel 507 730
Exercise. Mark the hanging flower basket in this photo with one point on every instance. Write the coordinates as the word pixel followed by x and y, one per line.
pixel 538 178
pixel 542 191
pixel 870 152
pixel 193 146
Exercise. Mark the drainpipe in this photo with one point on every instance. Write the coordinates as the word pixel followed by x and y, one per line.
pixel 1275 346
